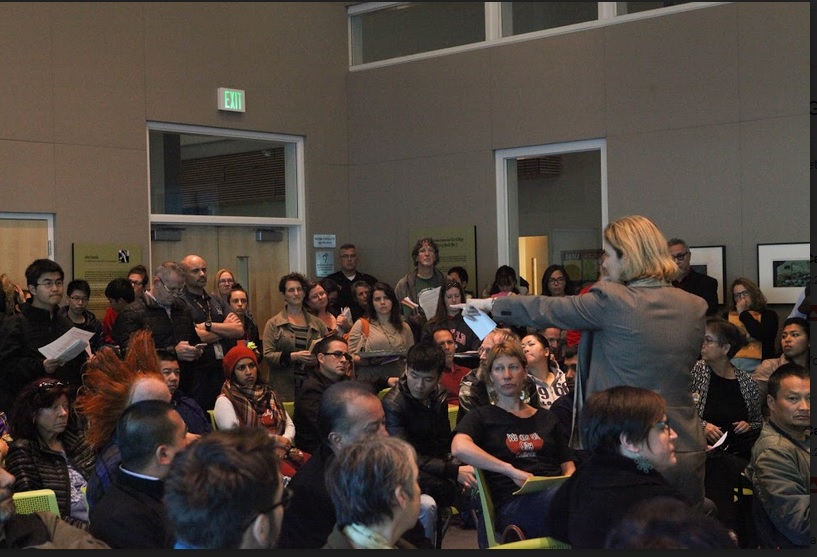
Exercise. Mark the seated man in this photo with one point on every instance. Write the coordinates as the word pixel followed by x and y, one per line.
pixel 248 515
pixel 197 420
pixel 417 412
pixel 780 464
pixel 453 372
pixel 334 365
pixel 349 411
pixel 373 484
pixel 131 513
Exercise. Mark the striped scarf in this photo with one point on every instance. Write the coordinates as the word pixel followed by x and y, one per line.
pixel 257 406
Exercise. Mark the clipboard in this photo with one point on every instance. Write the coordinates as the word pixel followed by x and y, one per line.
pixel 538 483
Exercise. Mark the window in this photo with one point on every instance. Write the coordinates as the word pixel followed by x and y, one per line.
pixel 526 17
pixel 412 27
pixel 384 31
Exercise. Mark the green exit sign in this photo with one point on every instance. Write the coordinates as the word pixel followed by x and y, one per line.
pixel 232 100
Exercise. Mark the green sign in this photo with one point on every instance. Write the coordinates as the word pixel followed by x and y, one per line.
pixel 231 100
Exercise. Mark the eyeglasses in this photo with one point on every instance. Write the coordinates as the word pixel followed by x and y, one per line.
pixel 51 283
pixel 137 282
pixel 79 298
pixel 680 256
pixel 557 280
pixel 338 354
pixel 663 425
pixel 226 281
pixel 709 340
pixel 175 292
pixel 742 294
pixel 45 385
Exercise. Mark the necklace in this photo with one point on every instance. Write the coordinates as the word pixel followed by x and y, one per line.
pixel 393 338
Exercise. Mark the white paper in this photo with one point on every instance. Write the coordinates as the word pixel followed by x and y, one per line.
pixel 68 346
pixel 480 323
pixel 347 313
pixel 428 301
pixel 719 442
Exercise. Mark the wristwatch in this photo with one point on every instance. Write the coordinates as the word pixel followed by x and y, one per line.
pixel 208 325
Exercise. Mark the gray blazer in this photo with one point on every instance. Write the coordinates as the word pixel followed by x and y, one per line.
pixel 645 334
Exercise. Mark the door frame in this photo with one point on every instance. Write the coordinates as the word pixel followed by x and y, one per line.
pixel 507 207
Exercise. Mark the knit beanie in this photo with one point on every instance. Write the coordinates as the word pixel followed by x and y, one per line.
pixel 236 353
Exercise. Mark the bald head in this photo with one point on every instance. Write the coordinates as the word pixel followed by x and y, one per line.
pixel 195 273
pixel 149 388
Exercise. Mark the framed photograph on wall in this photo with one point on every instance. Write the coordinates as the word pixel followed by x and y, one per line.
pixel 710 260
pixel 782 271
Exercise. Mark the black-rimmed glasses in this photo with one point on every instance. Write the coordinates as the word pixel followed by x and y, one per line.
pixel 663 425
pixel 338 354
pixel 680 256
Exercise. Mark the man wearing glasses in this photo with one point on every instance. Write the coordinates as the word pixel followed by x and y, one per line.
pixel 334 365
pixel 167 317
pixel 690 280
pixel 38 324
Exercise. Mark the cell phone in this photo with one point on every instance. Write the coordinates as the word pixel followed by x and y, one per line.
pixel 201 346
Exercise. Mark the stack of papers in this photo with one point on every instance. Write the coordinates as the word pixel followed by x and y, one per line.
pixel 68 346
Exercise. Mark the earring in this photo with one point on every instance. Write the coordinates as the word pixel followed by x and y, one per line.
pixel 524 397
pixel 642 464
pixel 492 397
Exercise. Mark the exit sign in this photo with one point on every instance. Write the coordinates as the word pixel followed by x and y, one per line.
pixel 231 100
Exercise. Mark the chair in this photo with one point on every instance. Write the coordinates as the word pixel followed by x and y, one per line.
pixel 289 406
pixel 743 499
pixel 452 415
pixel 212 415
pixel 28 502
pixel 383 392
pixel 496 540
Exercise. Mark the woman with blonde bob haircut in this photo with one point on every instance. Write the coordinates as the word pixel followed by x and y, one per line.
pixel 637 330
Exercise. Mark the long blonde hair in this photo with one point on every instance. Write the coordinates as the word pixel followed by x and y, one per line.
pixel 642 249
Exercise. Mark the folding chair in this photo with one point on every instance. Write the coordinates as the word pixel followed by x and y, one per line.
pixel 28 502
pixel 498 540
pixel 212 415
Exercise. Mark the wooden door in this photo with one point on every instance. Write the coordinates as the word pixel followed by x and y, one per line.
pixel 258 266
pixel 22 240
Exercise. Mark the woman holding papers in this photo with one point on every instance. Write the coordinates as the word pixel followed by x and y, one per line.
pixel 379 341
pixel 452 319
pixel 728 403
pixel 632 443
pixel 511 441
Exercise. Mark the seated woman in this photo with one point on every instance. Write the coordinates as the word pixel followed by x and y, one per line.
pixel 46 453
pixel 246 401
pixel 556 282
pixel 631 442
pixel 550 381
pixel 465 338
pixel 511 441
pixel 383 329
pixel 728 402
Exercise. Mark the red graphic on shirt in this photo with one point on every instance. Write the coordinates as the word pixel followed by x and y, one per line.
pixel 523 444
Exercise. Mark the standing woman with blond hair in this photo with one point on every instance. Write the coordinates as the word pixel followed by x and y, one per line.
pixel 638 330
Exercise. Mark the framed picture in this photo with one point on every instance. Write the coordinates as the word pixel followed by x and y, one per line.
pixel 782 271
pixel 710 260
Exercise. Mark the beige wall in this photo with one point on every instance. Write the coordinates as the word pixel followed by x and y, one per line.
pixel 705 114
pixel 80 81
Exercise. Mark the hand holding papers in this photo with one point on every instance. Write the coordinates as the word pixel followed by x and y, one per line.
pixel 68 346
pixel 538 483
pixel 719 442
pixel 475 316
